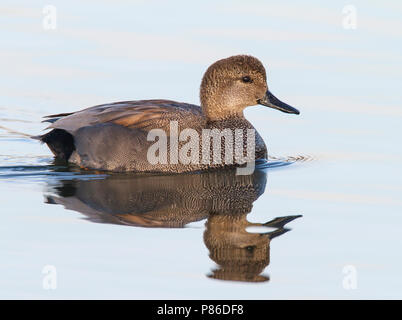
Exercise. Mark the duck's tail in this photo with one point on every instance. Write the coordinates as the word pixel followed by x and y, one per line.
pixel 59 141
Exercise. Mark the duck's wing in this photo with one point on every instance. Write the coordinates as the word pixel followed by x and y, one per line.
pixel 142 114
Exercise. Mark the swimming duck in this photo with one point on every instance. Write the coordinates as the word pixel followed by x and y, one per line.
pixel 170 136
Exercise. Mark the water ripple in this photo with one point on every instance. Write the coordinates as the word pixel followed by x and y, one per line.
pixel 35 170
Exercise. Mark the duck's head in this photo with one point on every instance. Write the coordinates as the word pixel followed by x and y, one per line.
pixel 232 84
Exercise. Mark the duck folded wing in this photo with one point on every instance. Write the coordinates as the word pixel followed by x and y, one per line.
pixel 143 114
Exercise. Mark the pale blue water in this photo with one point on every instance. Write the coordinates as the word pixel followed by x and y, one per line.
pixel 346 181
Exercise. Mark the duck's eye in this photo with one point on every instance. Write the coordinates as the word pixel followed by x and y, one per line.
pixel 246 79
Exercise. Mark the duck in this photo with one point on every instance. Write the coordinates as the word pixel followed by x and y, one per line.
pixel 164 136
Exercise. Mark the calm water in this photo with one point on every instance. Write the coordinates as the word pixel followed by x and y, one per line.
pixel 322 220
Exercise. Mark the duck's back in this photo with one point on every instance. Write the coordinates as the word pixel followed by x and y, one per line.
pixel 114 136
pixel 140 114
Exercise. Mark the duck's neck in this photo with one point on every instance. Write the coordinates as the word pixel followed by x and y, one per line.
pixel 218 113
pixel 234 122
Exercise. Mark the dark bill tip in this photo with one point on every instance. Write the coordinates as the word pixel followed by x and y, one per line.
pixel 271 101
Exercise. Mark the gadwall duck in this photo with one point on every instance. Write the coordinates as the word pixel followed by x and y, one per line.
pixel 169 136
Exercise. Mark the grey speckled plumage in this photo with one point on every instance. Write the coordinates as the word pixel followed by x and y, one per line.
pixel 113 137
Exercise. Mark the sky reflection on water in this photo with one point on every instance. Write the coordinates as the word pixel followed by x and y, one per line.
pixel 346 83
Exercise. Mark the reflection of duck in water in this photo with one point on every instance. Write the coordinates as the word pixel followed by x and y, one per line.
pixel 240 255
pixel 172 201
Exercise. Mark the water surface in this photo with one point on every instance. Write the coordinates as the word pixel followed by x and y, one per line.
pixel 328 202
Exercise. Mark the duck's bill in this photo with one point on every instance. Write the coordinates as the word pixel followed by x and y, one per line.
pixel 271 101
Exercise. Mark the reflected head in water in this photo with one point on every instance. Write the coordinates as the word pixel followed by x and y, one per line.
pixel 173 201
pixel 239 254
